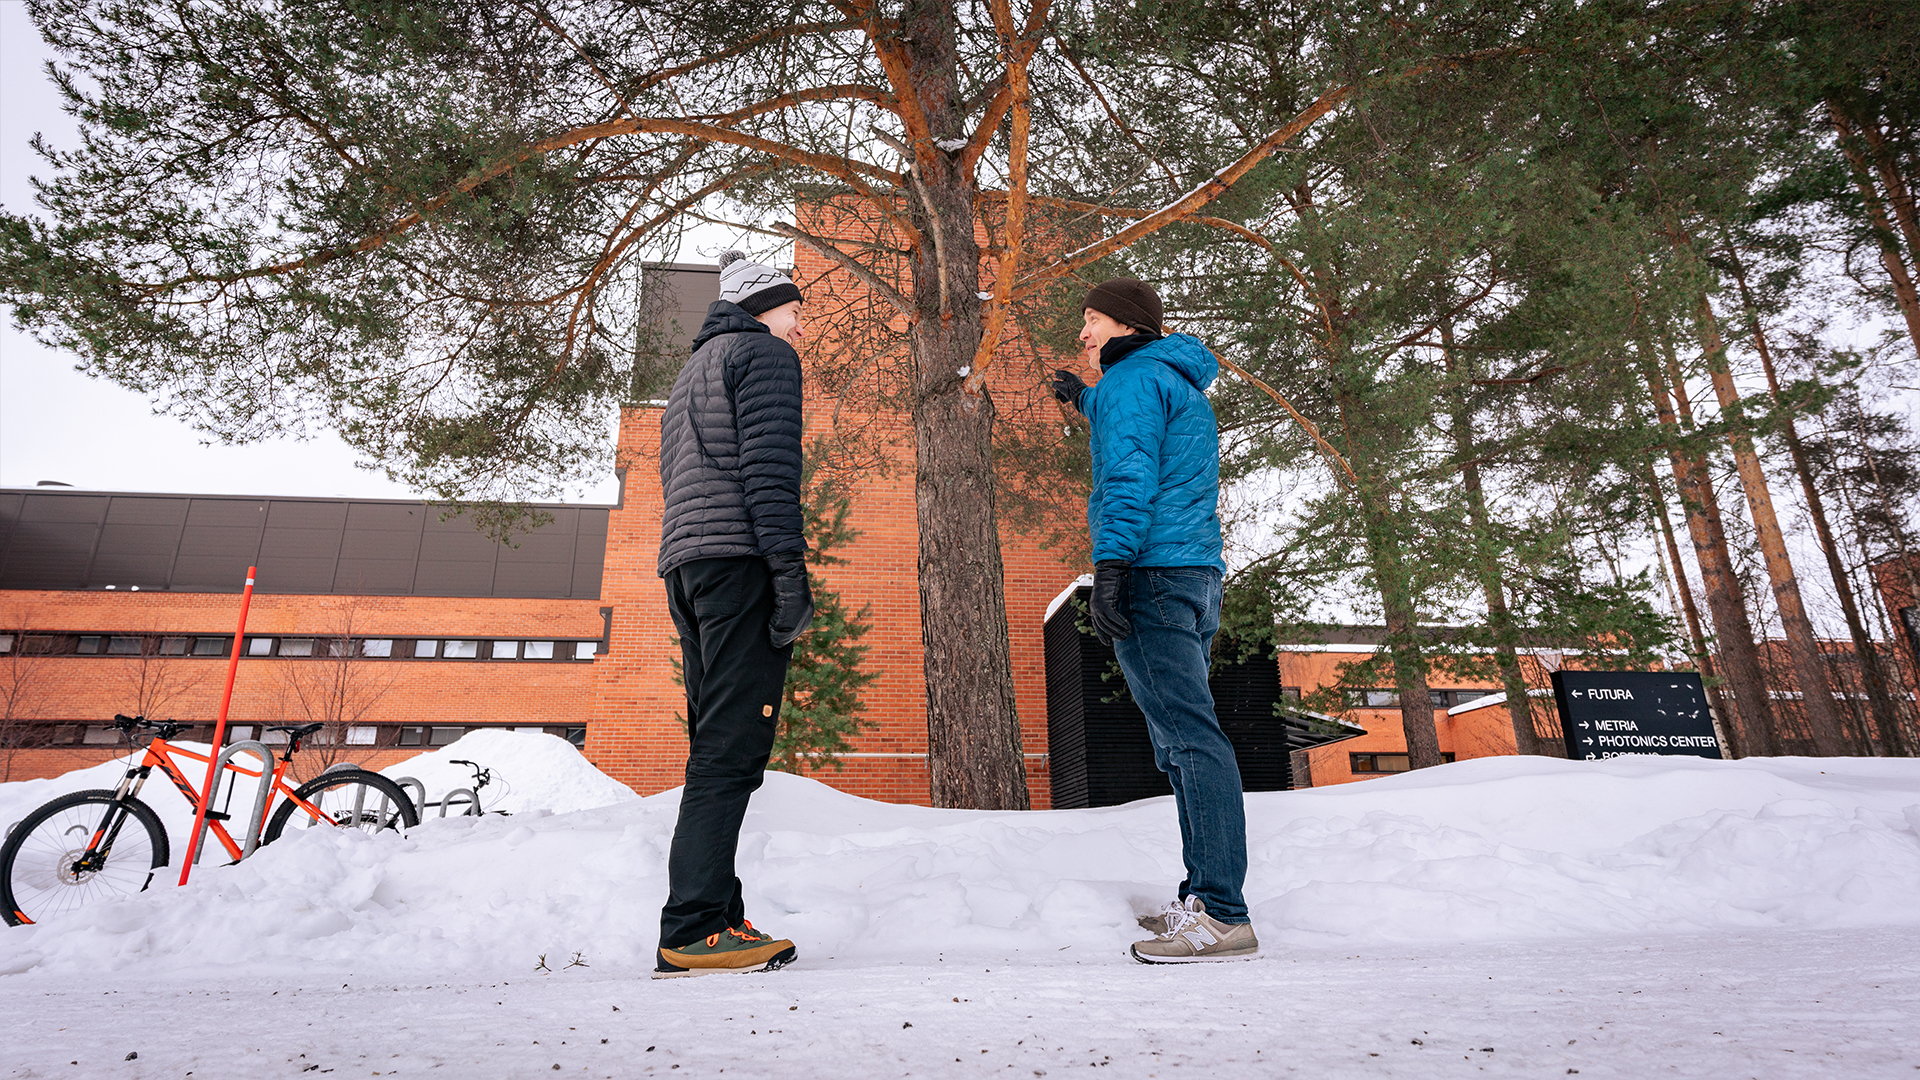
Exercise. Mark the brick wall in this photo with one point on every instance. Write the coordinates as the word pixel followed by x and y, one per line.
pixel 89 690
pixel 634 735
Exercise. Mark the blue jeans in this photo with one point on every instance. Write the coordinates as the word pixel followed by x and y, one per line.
pixel 1175 611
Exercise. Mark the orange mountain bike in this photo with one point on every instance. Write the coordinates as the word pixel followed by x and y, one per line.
pixel 98 844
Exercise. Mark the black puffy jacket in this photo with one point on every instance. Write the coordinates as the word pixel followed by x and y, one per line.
pixel 730 445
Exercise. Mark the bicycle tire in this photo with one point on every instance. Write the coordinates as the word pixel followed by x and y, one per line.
pixel 344 798
pixel 37 881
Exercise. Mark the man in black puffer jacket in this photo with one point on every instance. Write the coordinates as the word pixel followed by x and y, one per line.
pixel 734 561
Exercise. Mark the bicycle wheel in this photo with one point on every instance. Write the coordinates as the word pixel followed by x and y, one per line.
pixel 355 799
pixel 41 871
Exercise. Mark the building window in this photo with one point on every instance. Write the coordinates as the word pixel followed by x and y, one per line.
pixel 175 646
pixel 1373 699
pixel 6 643
pixel 1290 693
pixel 260 646
pixel 210 646
pixel 98 735
pixel 89 645
pixel 441 736
pixel 428 648
pixel 296 646
pixel 462 650
pixel 1383 763
pixel 412 736
pixel 583 650
pixel 506 650
pixel 539 650
pixel 123 646
pixel 377 647
pixel 240 733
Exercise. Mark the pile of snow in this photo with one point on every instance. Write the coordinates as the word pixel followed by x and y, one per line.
pixel 1485 850
pixel 530 771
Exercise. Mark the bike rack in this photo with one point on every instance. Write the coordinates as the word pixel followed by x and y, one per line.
pixel 473 802
pixel 265 754
pixel 420 800
pixel 472 798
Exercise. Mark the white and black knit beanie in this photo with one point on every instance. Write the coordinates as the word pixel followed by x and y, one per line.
pixel 754 286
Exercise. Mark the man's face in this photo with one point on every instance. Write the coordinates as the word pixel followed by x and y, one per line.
pixel 1099 329
pixel 784 322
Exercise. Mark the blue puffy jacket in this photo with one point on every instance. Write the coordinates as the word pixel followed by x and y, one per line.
pixel 1156 457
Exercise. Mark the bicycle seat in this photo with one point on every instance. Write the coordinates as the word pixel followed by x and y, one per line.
pixel 298 731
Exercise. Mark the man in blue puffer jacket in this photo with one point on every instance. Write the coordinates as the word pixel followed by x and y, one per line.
pixel 1154 518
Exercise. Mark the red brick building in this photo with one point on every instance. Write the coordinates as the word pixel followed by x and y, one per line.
pixel 400 629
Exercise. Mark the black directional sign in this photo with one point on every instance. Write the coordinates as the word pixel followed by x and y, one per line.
pixel 1615 713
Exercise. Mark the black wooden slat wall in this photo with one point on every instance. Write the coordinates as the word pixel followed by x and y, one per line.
pixel 204 543
pixel 1098 750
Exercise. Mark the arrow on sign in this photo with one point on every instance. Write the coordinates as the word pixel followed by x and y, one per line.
pixel 1583 723
pixel 1586 742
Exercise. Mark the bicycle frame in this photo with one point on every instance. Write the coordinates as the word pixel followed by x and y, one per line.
pixel 160 752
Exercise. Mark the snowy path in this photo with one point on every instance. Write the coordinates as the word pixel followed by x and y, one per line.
pixel 1836 1003
pixel 1519 917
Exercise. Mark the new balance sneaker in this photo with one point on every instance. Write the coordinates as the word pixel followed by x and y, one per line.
pixel 1158 921
pixel 1190 935
pixel 739 949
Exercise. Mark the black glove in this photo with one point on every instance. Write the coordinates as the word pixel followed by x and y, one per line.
pixel 792 599
pixel 1068 387
pixel 1110 622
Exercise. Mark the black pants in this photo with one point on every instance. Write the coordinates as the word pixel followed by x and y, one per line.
pixel 734 680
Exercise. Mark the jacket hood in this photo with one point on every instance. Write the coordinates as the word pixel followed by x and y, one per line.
pixel 727 317
pixel 1181 352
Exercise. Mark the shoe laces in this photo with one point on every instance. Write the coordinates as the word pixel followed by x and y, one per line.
pixel 1180 915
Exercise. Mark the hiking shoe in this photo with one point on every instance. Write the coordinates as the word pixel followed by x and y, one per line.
pixel 740 948
pixel 1193 936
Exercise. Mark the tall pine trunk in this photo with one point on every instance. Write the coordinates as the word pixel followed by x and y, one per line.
pixel 1402 644
pixel 974 751
pixel 1746 683
pixel 1803 649
pixel 1487 564
pixel 1873 676
pixel 1696 639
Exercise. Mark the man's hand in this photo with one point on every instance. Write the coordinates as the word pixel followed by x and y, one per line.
pixel 1067 387
pixel 1110 610
pixel 792 599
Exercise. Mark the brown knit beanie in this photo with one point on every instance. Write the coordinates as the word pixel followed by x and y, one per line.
pixel 1127 301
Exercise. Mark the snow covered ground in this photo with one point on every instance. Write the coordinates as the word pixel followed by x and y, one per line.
pixel 1506 917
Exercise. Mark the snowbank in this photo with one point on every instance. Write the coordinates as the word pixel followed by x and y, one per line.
pixel 1493 849
pixel 531 771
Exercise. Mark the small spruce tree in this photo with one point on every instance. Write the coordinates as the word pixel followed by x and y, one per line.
pixel 822 710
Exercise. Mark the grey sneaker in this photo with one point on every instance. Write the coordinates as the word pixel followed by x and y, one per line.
pixel 1190 935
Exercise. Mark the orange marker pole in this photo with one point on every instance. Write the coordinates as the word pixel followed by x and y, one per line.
pixel 219 732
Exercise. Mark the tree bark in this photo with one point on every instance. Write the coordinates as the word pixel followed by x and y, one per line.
pixel 1804 652
pixel 1752 715
pixel 1904 292
pixel 1487 562
pixel 974 752
pixel 1873 676
pixel 1402 644
pixel 1697 640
